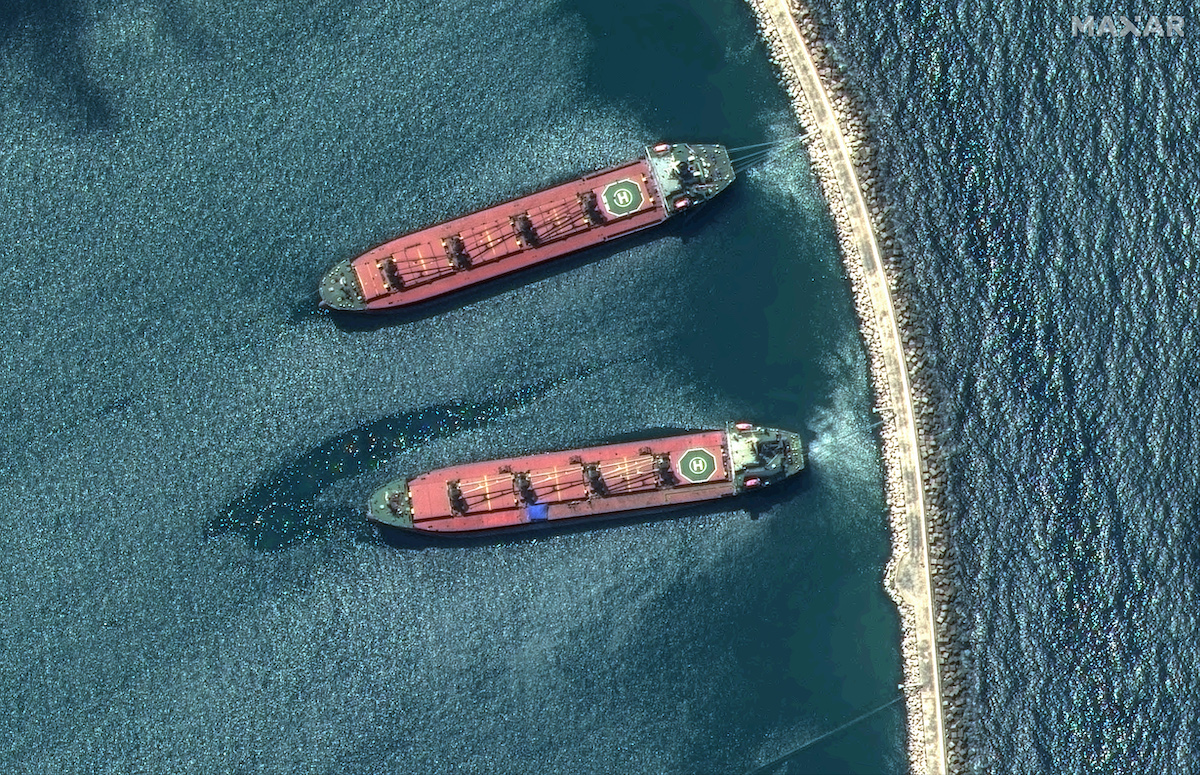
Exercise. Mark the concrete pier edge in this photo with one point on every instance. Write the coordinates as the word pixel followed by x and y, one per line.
pixel 918 573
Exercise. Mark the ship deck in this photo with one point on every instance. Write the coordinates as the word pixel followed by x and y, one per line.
pixel 561 220
pixel 698 464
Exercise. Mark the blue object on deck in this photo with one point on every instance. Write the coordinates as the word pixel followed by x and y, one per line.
pixel 536 512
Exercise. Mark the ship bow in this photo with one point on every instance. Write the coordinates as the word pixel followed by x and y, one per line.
pixel 391 505
pixel 340 288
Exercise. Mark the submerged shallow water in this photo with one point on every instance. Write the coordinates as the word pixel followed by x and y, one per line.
pixel 188 445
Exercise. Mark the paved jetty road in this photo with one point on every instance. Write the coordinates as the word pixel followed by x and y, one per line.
pixel 910 569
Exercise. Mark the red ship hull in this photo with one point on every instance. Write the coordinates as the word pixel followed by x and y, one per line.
pixel 527 231
pixel 592 482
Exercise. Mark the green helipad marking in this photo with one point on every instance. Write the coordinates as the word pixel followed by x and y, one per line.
pixel 622 197
pixel 697 465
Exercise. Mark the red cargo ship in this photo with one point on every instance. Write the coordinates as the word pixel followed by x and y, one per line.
pixel 600 481
pixel 529 230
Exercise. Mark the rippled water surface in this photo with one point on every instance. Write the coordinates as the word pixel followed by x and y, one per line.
pixel 189 586
pixel 1046 190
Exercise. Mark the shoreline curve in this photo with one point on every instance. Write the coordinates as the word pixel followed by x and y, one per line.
pixel 911 462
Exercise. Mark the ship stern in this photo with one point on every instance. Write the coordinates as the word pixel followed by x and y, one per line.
pixel 689 175
pixel 762 456
pixel 391 505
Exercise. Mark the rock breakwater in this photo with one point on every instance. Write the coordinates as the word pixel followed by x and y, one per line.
pixel 920 571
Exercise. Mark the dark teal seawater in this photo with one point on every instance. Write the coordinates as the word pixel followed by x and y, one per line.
pixel 188 584
pixel 1046 189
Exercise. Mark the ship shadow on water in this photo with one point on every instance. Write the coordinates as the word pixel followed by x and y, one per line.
pixel 685 227
pixel 752 504
pixel 284 507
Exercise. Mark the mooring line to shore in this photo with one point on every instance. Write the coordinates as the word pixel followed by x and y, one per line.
pixel 766 768
pixel 760 152
pixel 732 151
